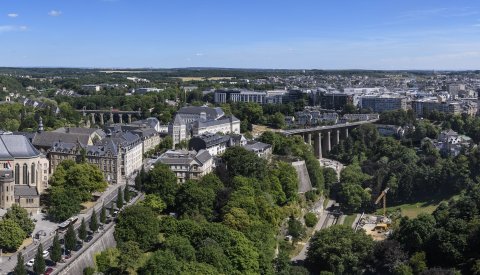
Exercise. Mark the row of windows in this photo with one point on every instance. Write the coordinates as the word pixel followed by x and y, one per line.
pixel 27 177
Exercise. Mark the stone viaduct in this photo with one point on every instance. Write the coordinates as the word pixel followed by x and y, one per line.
pixel 323 138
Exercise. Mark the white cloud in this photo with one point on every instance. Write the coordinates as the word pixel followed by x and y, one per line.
pixel 12 15
pixel 55 13
pixel 12 28
pixel 199 54
pixel 477 25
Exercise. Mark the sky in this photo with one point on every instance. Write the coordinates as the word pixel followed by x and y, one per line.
pixel 273 34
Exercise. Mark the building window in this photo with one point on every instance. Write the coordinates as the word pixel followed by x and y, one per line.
pixel 29 201
pixel 25 174
pixel 17 174
pixel 32 173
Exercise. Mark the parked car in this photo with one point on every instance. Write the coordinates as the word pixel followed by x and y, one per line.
pixel 89 238
pixel 78 247
pixel 30 263
pixel 48 271
pixel 45 253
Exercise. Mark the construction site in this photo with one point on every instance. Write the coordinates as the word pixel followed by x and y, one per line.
pixel 377 226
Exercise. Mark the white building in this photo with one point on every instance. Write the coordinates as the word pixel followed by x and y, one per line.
pixel 178 130
pixel 227 125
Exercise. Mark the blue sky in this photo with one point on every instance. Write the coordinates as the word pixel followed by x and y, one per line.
pixel 300 34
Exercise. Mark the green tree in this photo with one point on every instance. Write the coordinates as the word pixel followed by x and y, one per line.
pixel 352 197
pixel 193 199
pixel 129 253
pixel 288 179
pixel 111 209
pixel 39 264
pixel 20 216
pixel 11 235
pixel 211 252
pixel 154 202
pixel 56 254
pixel 352 174
pixel 70 238
pixel 103 214
pixel 414 233
pixel 120 198
pixel 126 194
pixel 339 249
pixel 82 231
pixel 311 219
pixel 93 221
pixel 181 247
pixel 88 270
pixel 84 178
pixel 295 229
pixel 330 177
pixel 162 262
pixel 137 223
pixel 163 182
pixel 278 120
pixel 20 267
pixel 241 162
pixel 315 172
pixel 62 203
pixel 107 260
pixel 387 255
pixel 418 262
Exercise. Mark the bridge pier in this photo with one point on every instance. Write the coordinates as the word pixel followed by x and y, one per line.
pixel 326 146
pixel 120 118
pixel 336 138
pixel 317 144
pixel 129 118
pixel 308 138
pixel 93 118
pixel 101 119
pixel 111 118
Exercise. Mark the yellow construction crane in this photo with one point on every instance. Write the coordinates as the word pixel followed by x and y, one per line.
pixel 383 196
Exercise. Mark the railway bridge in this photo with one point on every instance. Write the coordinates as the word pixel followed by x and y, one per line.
pixel 111 114
pixel 323 138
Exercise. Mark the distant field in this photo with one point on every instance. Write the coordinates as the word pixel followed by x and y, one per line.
pixel 196 78
pixel 124 72
pixel 412 210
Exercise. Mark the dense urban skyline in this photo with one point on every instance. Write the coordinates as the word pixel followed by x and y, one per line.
pixel 271 34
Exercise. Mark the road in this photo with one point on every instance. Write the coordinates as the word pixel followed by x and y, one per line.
pixel 8 264
pixel 326 220
pixel 87 248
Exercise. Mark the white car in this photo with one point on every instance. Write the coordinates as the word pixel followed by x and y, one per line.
pixel 30 263
pixel 45 253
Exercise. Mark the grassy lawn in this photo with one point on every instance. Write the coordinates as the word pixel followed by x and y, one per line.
pixel 412 210
pixel 349 220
